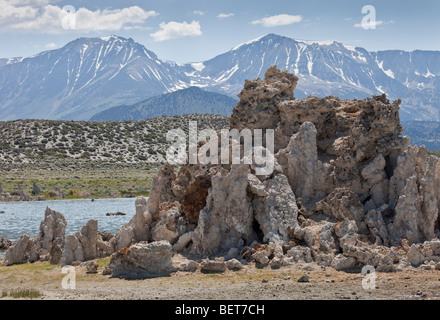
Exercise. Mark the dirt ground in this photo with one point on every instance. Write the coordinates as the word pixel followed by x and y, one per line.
pixel 248 283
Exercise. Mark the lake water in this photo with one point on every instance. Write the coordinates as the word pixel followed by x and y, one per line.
pixel 25 217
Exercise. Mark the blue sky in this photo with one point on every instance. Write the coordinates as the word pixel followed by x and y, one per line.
pixel 197 30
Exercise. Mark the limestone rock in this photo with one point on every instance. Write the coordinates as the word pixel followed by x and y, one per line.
pixel 88 237
pixel 277 212
pixel 85 245
pixel 304 278
pixel 415 256
pixel 324 245
pixel 52 229
pixel 5 244
pixel 183 241
pixel 300 254
pixel 161 186
pixel 343 203
pixel 24 250
pixel 259 100
pixel 341 262
pixel 226 220
pixel 346 190
pixel 56 251
pixel 261 259
pixel 376 224
pixel 73 251
pixel 212 266
pixel 142 220
pixel 234 265
pixel 46 247
pixel 142 260
pixel 112 214
pixel 167 227
pixel 139 227
pixel 124 238
pixel 306 174
pixel 364 253
pixel 232 253
pixel 91 267
pixel 188 266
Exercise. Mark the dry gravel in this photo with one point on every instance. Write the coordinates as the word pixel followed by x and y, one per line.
pixel 249 283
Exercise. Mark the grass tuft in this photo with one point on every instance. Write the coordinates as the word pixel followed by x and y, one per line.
pixel 104 262
pixel 22 293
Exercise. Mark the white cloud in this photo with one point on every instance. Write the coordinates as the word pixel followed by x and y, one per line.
pixel 174 30
pixel 111 19
pixel 200 13
pixel 278 20
pixel 41 16
pixel 225 15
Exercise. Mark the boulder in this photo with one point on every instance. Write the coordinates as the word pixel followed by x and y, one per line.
pixel 212 266
pixel 112 214
pixel 142 260
pixel 234 265
pixel 341 262
pixel 188 266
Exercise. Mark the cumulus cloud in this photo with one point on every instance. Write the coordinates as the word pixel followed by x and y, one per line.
pixel 225 15
pixel 200 13
pixel 42 16
pixel 278 20
pixel 174 30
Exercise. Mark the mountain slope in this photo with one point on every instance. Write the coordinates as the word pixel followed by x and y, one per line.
pixel 49 141
pixel 425 133
pixel 85 76
pixel 187 101
pixel 323 68
pixel 90 75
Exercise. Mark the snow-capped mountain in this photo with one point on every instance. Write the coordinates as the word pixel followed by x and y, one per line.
pixel 331 68
pixel 84 77
pixel 90 75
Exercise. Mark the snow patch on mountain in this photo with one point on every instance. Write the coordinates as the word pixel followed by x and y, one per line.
pixel 247 43
pixel 199 66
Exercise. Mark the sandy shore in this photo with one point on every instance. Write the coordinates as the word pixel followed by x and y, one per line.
pixel 249 283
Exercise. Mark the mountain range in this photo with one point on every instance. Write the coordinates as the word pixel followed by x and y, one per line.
pixel 90 75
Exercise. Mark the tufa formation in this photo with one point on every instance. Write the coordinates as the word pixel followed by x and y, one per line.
pixel 348 190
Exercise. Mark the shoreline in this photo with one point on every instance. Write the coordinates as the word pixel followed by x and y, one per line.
pixel 74 198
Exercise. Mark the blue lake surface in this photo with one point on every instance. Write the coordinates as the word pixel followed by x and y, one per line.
pixel 25 217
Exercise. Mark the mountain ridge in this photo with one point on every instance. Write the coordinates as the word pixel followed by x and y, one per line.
pixel 192 100
pixel 90 75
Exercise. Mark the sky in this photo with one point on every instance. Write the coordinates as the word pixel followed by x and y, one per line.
pixel 198 30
